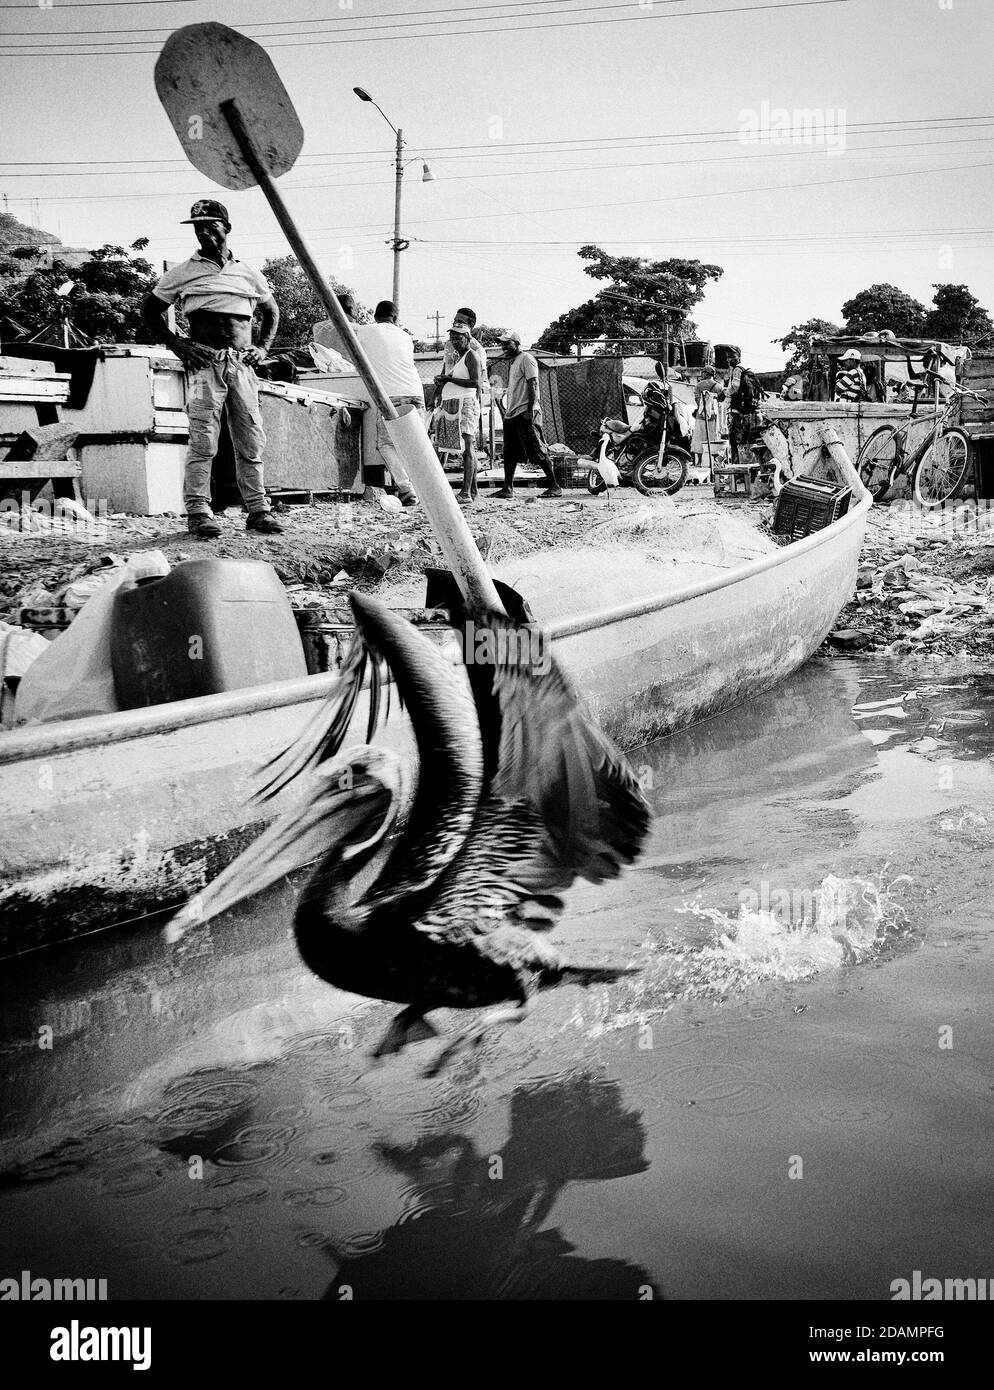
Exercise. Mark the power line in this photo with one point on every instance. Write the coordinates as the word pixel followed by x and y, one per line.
pixel 251 29
pixel 105 4
pixel 304 186
pixel 594 145
pixel 636 202
pixel 506 148
pixel 446 30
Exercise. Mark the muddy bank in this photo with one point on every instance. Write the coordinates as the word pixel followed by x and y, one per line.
pixel 923 590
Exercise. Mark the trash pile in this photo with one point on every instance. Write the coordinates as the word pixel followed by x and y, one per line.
pixel 924 596
pixel 71 677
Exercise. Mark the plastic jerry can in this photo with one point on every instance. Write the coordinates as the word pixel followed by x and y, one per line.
pixel 207 626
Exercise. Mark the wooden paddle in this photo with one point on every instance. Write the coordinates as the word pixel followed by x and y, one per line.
pixel 237 125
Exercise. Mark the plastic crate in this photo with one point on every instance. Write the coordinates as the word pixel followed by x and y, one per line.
pixel 806 505
pixel 570 470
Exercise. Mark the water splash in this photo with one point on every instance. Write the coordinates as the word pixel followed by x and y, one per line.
pixel 844 921
pixel 775 937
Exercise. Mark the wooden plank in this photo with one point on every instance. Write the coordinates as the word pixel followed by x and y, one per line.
pixel 40 468
pixel 170 422
pixel 35 388
pixel 26 366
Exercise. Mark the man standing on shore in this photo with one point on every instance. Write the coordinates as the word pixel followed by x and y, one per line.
pixel 219 295
pixel 744 396
pixel 391 353
pixel 522 416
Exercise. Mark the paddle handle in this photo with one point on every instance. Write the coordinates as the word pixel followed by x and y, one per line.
pixel 441 508
pixel 836 451
pixel 320 285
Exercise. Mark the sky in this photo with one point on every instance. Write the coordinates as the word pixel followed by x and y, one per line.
pixel 648 127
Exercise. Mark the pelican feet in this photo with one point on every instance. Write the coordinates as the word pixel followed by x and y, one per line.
pixel 473 1036
pixel 409 1026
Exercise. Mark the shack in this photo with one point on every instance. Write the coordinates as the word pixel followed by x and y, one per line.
pixel 889 363
pixel 127 406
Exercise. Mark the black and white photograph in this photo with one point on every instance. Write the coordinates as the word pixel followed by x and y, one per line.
pixel 496 693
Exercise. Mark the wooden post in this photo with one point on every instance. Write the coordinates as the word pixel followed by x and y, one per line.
pixel 441 507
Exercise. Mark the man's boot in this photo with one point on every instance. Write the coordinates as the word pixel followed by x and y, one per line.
pixel 264 522
pixel 203 526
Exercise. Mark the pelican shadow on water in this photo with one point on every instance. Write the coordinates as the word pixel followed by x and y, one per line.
pixel 516 794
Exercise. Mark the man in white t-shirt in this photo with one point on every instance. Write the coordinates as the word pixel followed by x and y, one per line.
pixel 391 354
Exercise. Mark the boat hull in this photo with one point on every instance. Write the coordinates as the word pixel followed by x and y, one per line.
pixel 113 818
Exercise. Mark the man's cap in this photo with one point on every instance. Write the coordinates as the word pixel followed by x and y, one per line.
pixel 462 328
pixel 852 355
pixel 207 210
pixel 511 337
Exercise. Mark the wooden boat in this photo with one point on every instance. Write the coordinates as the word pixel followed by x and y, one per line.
pixel 112 818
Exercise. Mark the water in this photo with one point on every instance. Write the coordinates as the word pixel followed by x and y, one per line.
pixel 793 1097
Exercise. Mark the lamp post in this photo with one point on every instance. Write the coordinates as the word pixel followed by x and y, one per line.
pixel 398 243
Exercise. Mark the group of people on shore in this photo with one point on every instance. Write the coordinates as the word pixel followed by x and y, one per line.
pixel 725 408
pixel 219 295
pixel 461 389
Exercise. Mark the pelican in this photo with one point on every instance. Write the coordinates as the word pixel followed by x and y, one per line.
pixel 516 793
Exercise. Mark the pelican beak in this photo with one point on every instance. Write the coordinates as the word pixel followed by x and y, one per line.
pixel 344 809
pixel 291 842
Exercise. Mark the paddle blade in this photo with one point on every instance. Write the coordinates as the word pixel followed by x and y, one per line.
pixel 201 66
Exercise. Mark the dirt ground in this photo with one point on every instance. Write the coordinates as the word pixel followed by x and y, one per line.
pixel 926 590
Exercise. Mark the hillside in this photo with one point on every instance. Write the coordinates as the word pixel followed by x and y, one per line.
pixel 14 233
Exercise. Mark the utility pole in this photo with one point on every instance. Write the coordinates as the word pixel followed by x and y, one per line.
pixel 398 243
pixel 437 316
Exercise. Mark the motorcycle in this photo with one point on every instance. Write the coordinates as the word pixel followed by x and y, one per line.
pixel 644 456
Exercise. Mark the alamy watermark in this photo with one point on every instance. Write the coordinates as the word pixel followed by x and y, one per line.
pixel 808 125
pixel 525 647
pixel 26 1289
pixel 921 1287
pixel 797 907
pixel 89 520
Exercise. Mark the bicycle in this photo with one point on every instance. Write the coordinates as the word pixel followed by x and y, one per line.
pixel 935 469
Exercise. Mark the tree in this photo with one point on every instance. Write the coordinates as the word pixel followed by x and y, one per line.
pixel 798 341
pixel 106 305
pixel 487 336
pixel 959 318
pixel 300 309
pixel 634 303
pixel 884 306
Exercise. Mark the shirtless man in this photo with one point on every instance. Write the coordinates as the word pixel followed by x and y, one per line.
pixel 218 294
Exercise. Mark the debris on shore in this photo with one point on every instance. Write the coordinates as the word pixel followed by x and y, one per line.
pixel 920 590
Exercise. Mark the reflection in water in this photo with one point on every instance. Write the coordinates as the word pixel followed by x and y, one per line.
pixel 229 1055
pixel 472 1224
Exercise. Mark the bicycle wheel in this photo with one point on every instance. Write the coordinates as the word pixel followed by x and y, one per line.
pixel 942 468
pixel 877 460
pixel 650 474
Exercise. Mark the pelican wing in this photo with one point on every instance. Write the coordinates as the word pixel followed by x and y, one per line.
pixel 326 732
pixel 507 870
pixel 554 757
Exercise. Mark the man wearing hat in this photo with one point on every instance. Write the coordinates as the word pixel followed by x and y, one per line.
pixel 522 416
pixel 850 379
pixel 219 295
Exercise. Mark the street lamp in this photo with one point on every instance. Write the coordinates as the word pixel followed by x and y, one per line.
pixel 398 243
